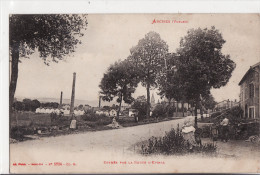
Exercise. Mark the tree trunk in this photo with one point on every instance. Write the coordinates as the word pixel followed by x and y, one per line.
pixel 182 106
pixel 192 110
pixel 196 114
pixel 168 108
pixel 201 112
pixel 176 108
pixel 148 101
pixel 119 107
pixel 14 74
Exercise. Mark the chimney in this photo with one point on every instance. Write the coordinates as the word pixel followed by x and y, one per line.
pixel 61 99
pixel 73 94
pixel 99 103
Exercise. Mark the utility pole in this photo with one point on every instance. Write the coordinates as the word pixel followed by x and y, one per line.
pixel 73 94
pixel 61 99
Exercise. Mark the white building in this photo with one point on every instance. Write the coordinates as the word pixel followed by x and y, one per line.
pixel 112 113
pixel 132 112
pixel 38 110
pixel 57 111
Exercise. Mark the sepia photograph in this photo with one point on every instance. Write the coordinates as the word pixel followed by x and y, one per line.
pixel 134 93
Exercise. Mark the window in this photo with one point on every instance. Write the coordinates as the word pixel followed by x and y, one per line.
pixel 251 112
pixel 251 90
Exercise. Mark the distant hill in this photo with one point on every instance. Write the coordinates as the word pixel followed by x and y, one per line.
pixel 93 103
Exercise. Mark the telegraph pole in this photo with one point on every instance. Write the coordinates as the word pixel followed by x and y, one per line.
pixel 73 94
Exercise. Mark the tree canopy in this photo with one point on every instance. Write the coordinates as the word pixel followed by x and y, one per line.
pixel 119 81
pixel 148 56
pixel 201 63
pixel 53 36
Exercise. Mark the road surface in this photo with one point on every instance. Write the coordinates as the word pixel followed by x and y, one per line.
pixel 108 152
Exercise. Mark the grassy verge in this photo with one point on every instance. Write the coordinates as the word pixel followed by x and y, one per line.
pixel 28 125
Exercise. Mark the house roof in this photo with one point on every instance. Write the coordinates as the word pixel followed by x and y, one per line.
pixel 247 73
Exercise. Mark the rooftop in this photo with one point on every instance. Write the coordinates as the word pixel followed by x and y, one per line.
pixel 247 73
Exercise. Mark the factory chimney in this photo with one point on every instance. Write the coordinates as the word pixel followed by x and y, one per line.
pixel 73 94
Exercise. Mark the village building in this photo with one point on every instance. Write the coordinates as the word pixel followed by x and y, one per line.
pixel 226 104
pixel 112 113
pixel 106 113
pixel 57 111
pixel 249 92
pixel 38 110
pixel 132 112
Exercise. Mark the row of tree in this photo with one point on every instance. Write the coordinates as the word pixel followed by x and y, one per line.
pixel 187 75
pixel 32 105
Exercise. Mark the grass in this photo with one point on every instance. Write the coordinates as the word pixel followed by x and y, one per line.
pixel 23 124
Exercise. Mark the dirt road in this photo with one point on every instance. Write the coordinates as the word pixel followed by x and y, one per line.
pixel 67 148
pixel 108 152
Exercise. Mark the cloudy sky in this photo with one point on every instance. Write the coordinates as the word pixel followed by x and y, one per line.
pixel 110 37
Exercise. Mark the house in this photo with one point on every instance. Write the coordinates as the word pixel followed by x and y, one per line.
pixel 57 111
pixel 79 112
pixel 38 110
pixel 249 92
pixel 99 112
pixel 106 113
pixel 42 110
pixel 225 104
pixel 112 113
pixel 66 111
pixel 132 112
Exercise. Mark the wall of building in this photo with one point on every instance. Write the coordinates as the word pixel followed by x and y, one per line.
pixel 245 100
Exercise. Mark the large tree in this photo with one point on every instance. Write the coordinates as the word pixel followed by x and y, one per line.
pixel 169 83
pixel 148 55
pixel 120 81
pixel 140 105
pixel 53 36
pixel 201 63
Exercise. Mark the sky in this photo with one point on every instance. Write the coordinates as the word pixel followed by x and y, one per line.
pixel 109 38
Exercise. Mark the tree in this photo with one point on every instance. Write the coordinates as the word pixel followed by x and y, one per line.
pixel 169 83
pixel 18 105
pixel 201 64
pixel 148 56
pixel 119 81
pixel 140 105
pixel 52 35
pixel 27 104
pixel 35 104
pixel 80 107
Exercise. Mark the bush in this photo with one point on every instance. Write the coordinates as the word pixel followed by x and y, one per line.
pixel 96 119
pixel 93 117
pixel 174 143
pixel 159 111
pixel 140 105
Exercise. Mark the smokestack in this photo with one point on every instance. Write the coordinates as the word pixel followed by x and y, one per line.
pixel 61 99
pixel 73 94
pixel 99 103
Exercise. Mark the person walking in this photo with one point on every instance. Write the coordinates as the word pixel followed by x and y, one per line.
pixel 225 130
